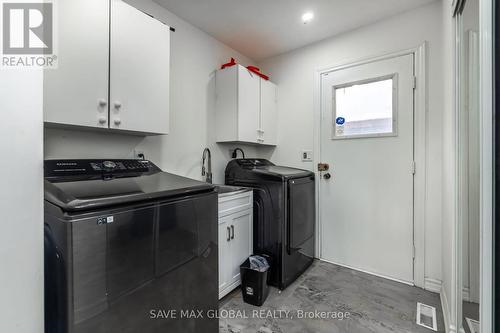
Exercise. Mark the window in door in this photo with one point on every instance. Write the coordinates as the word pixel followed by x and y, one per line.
pixel 365 108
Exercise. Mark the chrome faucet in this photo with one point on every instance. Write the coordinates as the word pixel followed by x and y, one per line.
pixel 207 173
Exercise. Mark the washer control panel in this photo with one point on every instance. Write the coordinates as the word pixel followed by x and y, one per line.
pixel 130 165
pixel 97 168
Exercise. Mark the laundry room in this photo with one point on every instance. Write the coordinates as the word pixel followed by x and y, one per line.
pixel 247 166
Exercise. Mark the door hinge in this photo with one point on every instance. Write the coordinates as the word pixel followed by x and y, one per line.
pixel 413 167
pixel 414 82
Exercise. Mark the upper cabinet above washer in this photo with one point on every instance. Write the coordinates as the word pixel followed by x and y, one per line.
pixel 139 71
pixel 113 79
pixel 76 93
pixel 246 107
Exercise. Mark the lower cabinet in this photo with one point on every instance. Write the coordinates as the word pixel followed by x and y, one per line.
pixel 235 238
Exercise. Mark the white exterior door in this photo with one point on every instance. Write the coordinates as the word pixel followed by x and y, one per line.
pixel 139 71
pixel 366 206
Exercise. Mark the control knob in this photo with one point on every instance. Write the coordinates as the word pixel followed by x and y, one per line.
pixel 110 165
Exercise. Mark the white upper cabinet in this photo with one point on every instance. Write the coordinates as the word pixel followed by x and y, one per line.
pixel 268 112
pixel 114 79
pixel 139 71
pixel 245 107
pixel 76 93
pixel 248 84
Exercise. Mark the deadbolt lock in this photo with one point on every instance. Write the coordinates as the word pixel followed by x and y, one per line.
pixel 323 167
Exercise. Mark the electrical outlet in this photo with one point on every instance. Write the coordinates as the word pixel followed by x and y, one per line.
pixel 307 156
pixel 139 154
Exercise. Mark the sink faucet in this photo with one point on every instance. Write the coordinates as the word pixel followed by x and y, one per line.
pixel 208 171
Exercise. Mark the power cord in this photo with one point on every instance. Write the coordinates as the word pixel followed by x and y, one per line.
pixel 235 153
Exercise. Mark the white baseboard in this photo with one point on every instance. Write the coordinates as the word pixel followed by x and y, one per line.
pixel 229 288
pixel 449 328
pixel 433 285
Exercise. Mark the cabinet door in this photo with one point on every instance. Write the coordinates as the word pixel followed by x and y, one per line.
pixel 241 241
pixel 76 93
pixel 248 105
pixel 139 71
pixel 268 113
pixel 224 254
pixel 226 104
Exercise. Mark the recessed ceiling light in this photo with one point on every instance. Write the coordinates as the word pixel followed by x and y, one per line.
pixel 307 17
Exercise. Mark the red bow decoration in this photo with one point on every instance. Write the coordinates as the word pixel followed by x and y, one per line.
pixel 256 70
pixel 229 64
pixel 252 69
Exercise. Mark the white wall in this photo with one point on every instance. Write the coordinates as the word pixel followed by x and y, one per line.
pixel 194 57
pixel 21 202
pixel 294 74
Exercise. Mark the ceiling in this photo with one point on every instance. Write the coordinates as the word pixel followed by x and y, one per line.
pixel 263 28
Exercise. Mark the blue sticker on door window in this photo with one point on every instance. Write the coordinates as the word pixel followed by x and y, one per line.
pixel 340 120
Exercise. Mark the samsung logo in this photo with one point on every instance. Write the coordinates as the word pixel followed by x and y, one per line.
pixel 66 164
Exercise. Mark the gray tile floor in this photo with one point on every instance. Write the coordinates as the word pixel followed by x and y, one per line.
pixel 375 305
pixel 470 310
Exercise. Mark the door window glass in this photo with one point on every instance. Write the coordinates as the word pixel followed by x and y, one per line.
pixel 365 109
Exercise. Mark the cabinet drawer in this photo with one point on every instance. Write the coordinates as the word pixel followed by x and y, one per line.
pixel 238 202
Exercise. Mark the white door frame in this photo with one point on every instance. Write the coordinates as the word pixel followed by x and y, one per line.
pixel 473 97
pixel 420 149
pixel 486 170
pixel 486 147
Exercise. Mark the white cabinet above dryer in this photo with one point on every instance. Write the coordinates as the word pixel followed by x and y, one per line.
pixel 246 107
pixel 109 74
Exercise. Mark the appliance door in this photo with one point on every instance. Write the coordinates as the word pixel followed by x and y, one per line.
pixel 187 264
pixel 143 263
pixel 113 259
pixel 301 212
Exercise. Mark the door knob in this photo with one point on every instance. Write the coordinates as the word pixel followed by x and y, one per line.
pixel 327 176
pixel 102 102
pixel 117 122
pixel 102 120
pixel 118 105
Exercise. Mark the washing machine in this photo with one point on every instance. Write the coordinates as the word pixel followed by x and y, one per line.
pixel 127 248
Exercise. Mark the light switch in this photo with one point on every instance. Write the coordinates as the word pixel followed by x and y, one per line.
pixel 307 156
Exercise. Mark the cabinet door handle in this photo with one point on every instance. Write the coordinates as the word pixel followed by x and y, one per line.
pixel 228 234
pixel 232 232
